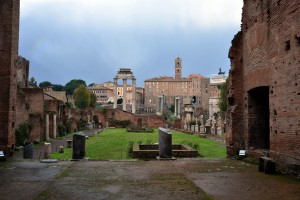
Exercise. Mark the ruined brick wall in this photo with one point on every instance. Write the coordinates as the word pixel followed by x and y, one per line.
pixel 22 72
pixel 146 120
pixel 271 69
pixel 235 137
pixel 9 40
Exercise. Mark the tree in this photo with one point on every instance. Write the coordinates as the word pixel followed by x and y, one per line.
pixel 73 84
pixel 120 101
pixel 82 97
pixel 172 108
pixel 45 84
pixel 223 97
pixel 91 85
pixel 32 80
pixel 93 100
pixel 57 87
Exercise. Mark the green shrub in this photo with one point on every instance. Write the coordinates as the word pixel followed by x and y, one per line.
pixel 61 130
pixel 22 133
pixel 130 148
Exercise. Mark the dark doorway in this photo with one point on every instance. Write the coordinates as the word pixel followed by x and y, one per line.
pixel 259 118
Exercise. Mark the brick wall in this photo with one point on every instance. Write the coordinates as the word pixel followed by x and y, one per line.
pixel 147 120
pixel 267 55
pixel 9 40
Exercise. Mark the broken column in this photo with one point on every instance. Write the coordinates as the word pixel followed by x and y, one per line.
pixel 78 146
pixel 115 93
pixel 47 127
pixel 165 143
pixel 124 94
pixel 47 152
pixel 54 126
pixel 133 96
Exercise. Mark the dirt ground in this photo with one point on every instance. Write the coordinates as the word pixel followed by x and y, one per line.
pixel 196 178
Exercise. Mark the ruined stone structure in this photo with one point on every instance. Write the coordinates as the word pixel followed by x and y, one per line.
pixel 9 41
pixel 125 74
pixel 215 93
pixel 264 82
pixel 162 92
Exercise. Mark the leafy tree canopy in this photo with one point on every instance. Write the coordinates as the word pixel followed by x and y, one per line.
pixel 82 97
pixel 223 98
pixel 120 101
pixel 45 84
pixel 73 84
pixel 32 80
pixel 57 87
pixel 93 100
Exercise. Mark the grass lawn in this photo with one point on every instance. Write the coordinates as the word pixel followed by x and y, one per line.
pixel 114 143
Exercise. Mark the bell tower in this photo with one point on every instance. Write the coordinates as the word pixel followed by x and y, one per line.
pixel 178 68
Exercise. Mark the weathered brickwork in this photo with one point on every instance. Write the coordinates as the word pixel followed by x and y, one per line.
pixel 141 120
pixel 9 40
pixel 264 82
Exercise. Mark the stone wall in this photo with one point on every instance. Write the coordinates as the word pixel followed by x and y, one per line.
pixel 144 120
pixel 264 81
pixel 9 41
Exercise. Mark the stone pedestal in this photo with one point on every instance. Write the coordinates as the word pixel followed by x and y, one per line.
pixel 192 127
pixel 61 149
pixel 28 151
pixel 185 127
pixel 47 152
pixel 78 146
pixel 202 129
pixel 165 143
pixel 197 128
pixel 266 165
pixel 219 131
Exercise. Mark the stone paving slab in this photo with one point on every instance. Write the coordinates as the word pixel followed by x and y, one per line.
pixel 195 178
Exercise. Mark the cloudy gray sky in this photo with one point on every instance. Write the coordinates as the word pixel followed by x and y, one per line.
pixel 92 39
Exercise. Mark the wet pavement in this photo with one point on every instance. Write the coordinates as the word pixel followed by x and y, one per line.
pixel 188 178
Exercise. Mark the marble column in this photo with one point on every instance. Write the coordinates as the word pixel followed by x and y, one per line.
pixel 54 126
pixel 133 96
pixel 162 104
pixel 115 92
pixel 175 105
pixel 124 94
pixel 178 108
pixel 47 127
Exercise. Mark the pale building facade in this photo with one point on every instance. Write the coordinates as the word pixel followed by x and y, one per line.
pixel 215 93
pixel 173 89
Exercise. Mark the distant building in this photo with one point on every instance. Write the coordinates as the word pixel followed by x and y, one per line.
pixel 215 93
pixel 105 93
pixel 195 86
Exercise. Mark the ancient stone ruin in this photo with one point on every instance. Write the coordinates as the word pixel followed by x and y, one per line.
pixel 9 42
pixel 264 83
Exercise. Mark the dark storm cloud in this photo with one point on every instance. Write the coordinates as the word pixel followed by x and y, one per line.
pixel 77 42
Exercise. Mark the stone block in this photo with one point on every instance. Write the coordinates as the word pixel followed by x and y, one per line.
pixel 165 143
pixel 78 146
